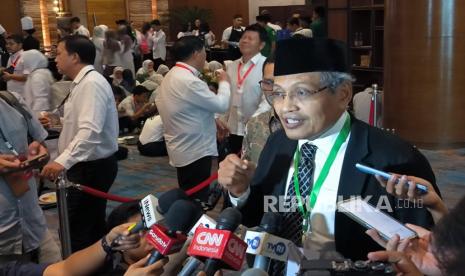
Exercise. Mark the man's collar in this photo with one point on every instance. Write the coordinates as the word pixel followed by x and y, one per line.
pixel 254 59
pixel 82 73
pixel 191 68
pixel 325 141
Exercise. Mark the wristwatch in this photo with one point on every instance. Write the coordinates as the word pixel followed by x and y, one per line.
pixel 106 247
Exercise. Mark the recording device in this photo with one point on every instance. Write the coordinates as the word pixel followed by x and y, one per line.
pixel 153 209
pixel 370 217
pixel 34 163
pixel 346 267
pixel 220 247
pixel 264 244
pixel 170 239
pixel 420 189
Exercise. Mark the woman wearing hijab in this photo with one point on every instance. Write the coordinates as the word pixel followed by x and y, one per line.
pixel 145 71
pixel 163 69
pixel 98 40
pixel 112 52
pixel 37 88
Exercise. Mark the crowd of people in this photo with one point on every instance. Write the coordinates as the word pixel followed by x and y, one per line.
pixel 274 116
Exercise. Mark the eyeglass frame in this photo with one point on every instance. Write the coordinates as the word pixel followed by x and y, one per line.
pixel 311 92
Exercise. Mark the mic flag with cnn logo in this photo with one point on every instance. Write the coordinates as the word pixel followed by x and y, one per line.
pixel 218 244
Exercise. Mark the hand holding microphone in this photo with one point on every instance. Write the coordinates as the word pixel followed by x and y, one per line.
pixel 181 216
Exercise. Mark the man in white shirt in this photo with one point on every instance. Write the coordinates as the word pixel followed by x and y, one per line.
pixel 312 160
pixel 187 108
pixel 78 28
pixel 14 74
pixel 245 73
pixel 88 140
pixel 232 35
pixel 159 44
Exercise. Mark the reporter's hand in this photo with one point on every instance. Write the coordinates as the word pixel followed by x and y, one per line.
pixel 235 174
pixel 8 161
pixel 418 249
pixel 406 189
pixel 139 268
pixel 6 76
pixel 401 262
pixel 45 120
pixel 222 75
pixel 222 130
pixel 124 241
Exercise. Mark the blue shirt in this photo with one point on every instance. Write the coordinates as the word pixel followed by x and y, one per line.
pixel 19 269
pixel 22 223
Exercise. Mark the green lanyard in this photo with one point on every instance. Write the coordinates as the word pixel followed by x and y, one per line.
pixel 341 138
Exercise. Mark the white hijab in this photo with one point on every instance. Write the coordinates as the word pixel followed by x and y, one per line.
pixel 99 31
pixel 33 60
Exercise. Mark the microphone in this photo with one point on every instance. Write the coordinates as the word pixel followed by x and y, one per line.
pixel 264 244
pixel 254 272
pixel 220 247
pixel 170 239
pixel 152 209
pixel 271 224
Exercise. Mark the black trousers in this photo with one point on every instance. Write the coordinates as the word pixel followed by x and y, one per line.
pixel 235 143
pixel 87 212
pixel 152 149
pixel 194 173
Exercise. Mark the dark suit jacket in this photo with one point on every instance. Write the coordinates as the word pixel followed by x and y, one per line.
pixel 367 145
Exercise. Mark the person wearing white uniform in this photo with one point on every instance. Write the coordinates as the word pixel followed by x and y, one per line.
pixel 88 141
pixel 245 73
pixel 159 44
pixel 78 28
pixel 151 142
pixel 37 90
pixel 14 74
pixel 187 108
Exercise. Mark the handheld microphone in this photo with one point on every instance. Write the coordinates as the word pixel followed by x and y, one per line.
pixel 271 224
pixel 152 209
pixel 170 239
pixel 265 245
pixel 220 247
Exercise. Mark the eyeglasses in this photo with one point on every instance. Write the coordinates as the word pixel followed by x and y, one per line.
pixel 275 94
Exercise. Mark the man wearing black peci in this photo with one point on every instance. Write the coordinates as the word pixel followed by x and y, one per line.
pixel 316 152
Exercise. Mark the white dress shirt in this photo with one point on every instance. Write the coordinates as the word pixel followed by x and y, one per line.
pixel 322 218
pixel 187 107
pixel 14 85
pixel 159 45
pixel 246 100
pixel 37 90
pixel 90 121
pixel 81 30
pixel 127 106
pixel 152 130
pixel 227 33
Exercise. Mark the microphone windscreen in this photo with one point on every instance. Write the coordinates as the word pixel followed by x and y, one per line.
pixel 229 219
pixel 182 215
pixel 271 223
pixel 166 199
pixel 254 272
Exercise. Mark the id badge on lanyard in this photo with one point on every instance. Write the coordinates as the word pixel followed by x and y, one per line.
pixel 237 97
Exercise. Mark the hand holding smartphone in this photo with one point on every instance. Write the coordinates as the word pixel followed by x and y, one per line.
pixel 372 218
pixel 420 188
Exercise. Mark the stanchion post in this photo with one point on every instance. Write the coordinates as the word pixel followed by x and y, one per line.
pixel 63 217
pixel 375 104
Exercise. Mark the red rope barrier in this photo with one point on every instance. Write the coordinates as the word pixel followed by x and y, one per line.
pixel 121 199
pixel 101 194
